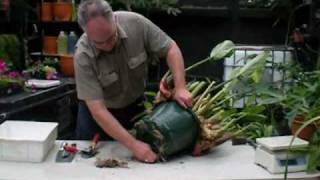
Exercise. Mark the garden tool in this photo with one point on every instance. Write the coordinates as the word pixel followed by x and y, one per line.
pixel 92 149
pixel 71 149
pixel 63 154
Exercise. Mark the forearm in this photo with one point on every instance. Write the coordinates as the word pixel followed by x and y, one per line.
pixel 109 124
pixel 112 127
pixel 176 65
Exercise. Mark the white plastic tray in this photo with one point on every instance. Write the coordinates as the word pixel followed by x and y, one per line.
pixel 39 83
pixel 26 141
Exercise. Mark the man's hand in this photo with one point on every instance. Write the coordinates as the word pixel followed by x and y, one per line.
pixel 110 125
pixel 176 65
pixel 183 97
pixel 143 152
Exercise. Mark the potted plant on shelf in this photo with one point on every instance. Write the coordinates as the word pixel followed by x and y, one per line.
pixel 43 70
pixel 10 81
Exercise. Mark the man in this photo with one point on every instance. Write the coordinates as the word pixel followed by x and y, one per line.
pixel 111 68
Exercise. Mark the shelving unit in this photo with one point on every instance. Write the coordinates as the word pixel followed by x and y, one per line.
pixel 50 26
pixel 47 55
pixel 55 104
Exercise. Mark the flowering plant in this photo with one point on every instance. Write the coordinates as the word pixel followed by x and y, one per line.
pixel 41 71
pixel 10 81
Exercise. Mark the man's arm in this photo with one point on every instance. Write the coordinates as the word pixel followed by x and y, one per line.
pixel 112 127
pixel 161 45
pixel 89 89
pixel 176 65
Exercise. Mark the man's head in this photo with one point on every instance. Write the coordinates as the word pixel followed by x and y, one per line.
pixel 96 18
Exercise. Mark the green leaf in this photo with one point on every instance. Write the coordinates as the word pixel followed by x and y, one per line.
pixel 222 50
pixel 268 129
pixel 254 65
pixel 268 100
pixel 150 93
pixel 254 69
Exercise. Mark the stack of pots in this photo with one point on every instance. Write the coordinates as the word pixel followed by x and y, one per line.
pixel 58 11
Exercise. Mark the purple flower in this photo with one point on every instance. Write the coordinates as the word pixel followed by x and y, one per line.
pixel 51 75
pixel 13 74
pixel 3 66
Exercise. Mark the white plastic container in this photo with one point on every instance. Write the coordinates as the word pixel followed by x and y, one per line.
pixel 26 141
pixel 41 83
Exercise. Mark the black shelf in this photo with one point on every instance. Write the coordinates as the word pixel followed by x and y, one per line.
pixel 258 13
pixel 209 11
pixel 25 100
pixel 48 55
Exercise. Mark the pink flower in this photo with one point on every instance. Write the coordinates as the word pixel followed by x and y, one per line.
pixel 13 74
pixel 51 76
pixel 3 66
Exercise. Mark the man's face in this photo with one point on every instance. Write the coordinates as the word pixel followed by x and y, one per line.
pixel 102 33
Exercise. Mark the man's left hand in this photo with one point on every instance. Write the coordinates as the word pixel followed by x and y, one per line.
pixel 183 97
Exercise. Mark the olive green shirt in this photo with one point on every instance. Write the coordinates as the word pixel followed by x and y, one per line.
pixel 118 77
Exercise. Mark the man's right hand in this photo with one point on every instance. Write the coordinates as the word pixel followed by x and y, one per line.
pixel 143 152
pixel 108 123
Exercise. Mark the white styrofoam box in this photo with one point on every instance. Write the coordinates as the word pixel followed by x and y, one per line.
pixel 26 141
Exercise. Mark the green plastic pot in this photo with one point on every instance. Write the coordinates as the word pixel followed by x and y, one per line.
pixel 169 129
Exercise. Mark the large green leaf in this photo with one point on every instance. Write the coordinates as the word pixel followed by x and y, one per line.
pixel 254 69
pixel 222 50
pixel 255 65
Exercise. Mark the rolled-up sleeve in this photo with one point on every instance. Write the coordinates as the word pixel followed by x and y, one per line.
pixel 156 40
pixel 87 83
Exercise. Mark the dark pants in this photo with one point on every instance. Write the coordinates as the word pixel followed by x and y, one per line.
pixel 87 126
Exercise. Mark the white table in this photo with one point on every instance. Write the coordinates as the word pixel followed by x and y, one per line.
pixel 224 162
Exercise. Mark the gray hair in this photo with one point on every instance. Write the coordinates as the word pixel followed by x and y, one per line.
pixel 92 8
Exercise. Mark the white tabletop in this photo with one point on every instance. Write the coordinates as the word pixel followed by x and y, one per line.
pixel 224 162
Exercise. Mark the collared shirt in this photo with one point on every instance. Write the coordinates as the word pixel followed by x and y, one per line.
pixel 118 77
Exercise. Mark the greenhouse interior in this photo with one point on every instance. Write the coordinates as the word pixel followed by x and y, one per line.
pixel 183 89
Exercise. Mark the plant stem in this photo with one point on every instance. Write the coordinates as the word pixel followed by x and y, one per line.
pixel 304 125
pixel 196 105
pixel 168 76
